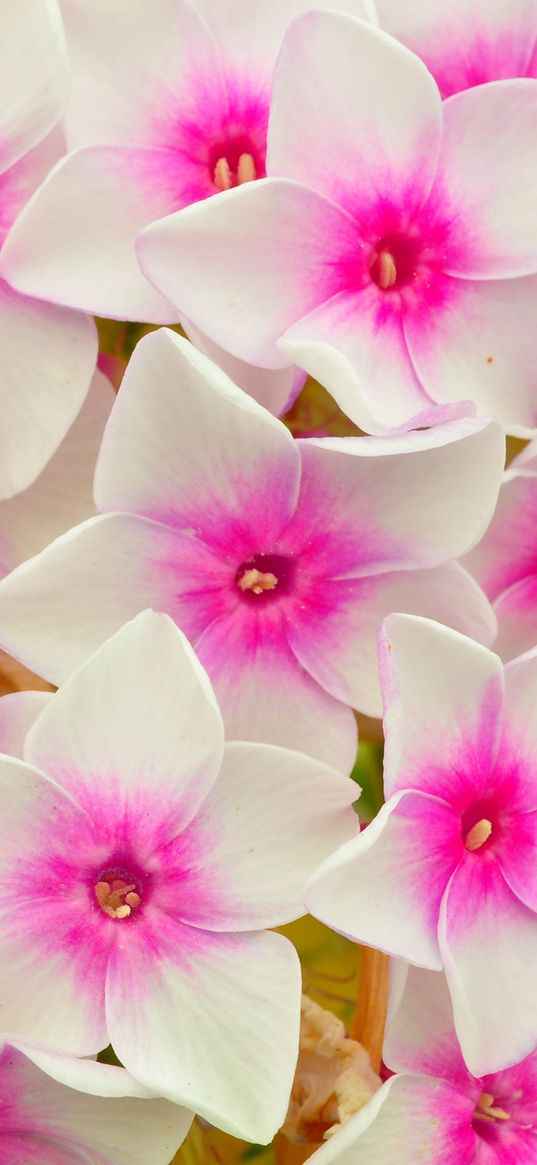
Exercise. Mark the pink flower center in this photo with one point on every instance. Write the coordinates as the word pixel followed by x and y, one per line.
pixel 394 261
pixel 477 826
pixel 487 1110
pixel 264 577
pixel 118 893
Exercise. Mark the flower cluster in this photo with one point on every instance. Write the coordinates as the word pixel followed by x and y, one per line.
pixel 216 579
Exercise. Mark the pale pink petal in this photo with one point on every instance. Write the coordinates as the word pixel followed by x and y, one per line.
pixel 426 669
pixel 485 180
pixel 80 1106
pixel 48 357
pixel 479 343
pixel 62 495
pixel 34 75
pixel 457 467
pixel 208 458
pixel 508 551
pixel 275 389
pixel 250 32
pixel 139 716
pixel 354 344
pixel 335 635
pixel 266 695
pixel 384 888
pixel 516 612
pixel 212 1024
pixel 465 44
pixel 271 818
pixel 276 250
pixel 21 180
pixel 410 1121
pixel 138 81
pixel 18 711
pixel 51 938
pixel 73 244
pixel 371 99
pixel 489 947
pixel 56 608
pixel 420 1036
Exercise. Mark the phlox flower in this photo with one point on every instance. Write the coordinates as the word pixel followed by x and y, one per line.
pixel 434 1112
pixel 62 494
pixel 48 353
pixel 466 42
pixel 278 558
pixel 170 105
pixel 445 876
pixel 137 875
pixel 505 561
pixel 392 251
pixel 57 1110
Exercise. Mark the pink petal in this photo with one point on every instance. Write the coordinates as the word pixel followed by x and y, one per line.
pixel 443 702
pixel 478 343
pixel 266 695
pixel 271 818
pixel 384 888
pixel 485 177
pixel 508 551
pixel 62 495
pixel 410 1121
pixel 212 1023
pixel 489 947
pixel 21 180
pixel 154 460
pixel 73 244
pixel 355 345
pixel 52 940
pixel 48 356
pixel 465 43
pixel 335 634
pixel 34 76
pixel 370 127
pixel 278 249
pixel 516 612
pixel 457 466
pixel 137 718
pixel 421 1036
pixel 48 1094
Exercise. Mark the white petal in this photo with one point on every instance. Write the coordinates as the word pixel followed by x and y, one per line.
pixel 48 357
pixel 271 818
pixel 62 495
pixel 443 702
pixel 214 1025
pixel 34 80
pixel 140 711
pixel 18 711
pixel 275 389
pixel 186 447
pixel 73 244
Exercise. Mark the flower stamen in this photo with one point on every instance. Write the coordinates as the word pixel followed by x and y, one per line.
pixel 478 835
pixel 383 270
pixel 487 1111
pixel 224 177
pixel 257 581
pixel 117 898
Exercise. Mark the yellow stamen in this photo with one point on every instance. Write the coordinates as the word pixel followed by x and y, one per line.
pixel 387 271
pixel 222 175
pixel 257 582
pixel 246 171
pixel 117 898
pixel 486 1110
pixel 478 835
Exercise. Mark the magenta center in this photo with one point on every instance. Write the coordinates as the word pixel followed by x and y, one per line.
pixel 394 261
pixel 118 892
pixel 265 577
pixel 478 826
pixel 235 162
